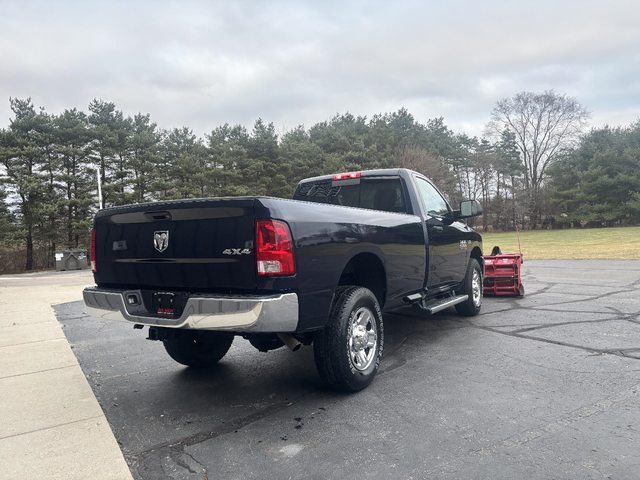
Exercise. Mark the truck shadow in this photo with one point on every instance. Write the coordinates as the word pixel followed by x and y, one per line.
pixel 245 369
pixel 410 333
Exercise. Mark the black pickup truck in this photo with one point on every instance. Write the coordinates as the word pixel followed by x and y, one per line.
pixel 319 269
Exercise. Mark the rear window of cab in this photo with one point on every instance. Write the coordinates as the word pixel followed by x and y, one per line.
pixel 375 194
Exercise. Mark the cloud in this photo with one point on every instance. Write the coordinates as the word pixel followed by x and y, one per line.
pixel 201 64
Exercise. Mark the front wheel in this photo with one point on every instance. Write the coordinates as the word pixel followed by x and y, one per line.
pixel 472 286
pixel 348 350
pixel 199 349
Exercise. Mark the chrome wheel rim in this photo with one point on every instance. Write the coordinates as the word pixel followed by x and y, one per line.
pixel 363 339
pixel 476 288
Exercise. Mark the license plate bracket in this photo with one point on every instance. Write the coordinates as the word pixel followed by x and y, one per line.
pixel 167 304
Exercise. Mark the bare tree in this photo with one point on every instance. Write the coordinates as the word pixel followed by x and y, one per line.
pixel 417 158
pixel 545 124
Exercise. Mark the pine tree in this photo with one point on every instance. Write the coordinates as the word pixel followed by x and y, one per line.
pixel 7 221
pixel 145 145
pixel 184 165
pixel 509 180
pixel 76 176
pixel 263 151
pixel 23 151
pixel 228 161
pixel 110 150
pixel 599 182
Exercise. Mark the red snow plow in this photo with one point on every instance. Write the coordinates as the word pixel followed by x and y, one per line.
pixel 502 272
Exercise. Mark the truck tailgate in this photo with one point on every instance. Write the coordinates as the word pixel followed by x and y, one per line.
pixel 197 245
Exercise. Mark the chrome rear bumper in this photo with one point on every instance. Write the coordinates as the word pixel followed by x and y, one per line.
pixel 242 313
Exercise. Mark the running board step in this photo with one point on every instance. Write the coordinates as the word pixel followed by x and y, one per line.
pixel 440 305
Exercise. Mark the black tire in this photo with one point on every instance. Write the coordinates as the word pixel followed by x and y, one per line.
pixel 521 291
pixel 470 307
pixel 336 362
pixel 198 349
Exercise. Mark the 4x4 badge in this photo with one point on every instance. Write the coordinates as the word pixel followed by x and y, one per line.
pixel 161 240
pixel 236 251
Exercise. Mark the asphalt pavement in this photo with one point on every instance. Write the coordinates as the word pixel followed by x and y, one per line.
pixel 545 386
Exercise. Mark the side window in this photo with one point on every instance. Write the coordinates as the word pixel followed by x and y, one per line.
pixel 433 201
pixel 385 195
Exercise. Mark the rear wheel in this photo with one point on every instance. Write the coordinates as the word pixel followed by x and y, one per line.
pixel 348 350
pixel 472 286
pixel 199 349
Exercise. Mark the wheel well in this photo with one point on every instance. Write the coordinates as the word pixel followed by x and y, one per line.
pixel 366 270
pixel 477 254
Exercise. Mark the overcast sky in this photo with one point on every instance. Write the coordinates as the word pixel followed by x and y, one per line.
pixel 201 64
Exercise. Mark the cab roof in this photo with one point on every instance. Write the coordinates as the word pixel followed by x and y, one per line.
pixel 384 172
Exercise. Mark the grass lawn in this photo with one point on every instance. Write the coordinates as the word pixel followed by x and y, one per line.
pixel 587 244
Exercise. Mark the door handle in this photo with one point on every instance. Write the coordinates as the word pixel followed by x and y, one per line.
pixel 437 229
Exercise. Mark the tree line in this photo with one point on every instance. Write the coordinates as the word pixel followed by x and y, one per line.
pixel 534 167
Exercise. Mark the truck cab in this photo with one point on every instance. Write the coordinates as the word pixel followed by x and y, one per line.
pixel 449 242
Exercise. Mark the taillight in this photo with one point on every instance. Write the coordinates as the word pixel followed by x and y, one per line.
pixel 346 176
pixel 94 265
pixel 274 248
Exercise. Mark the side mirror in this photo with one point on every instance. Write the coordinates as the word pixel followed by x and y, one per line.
pixel 469 208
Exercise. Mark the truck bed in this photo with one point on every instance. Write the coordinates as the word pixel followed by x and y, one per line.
pixel 210 249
